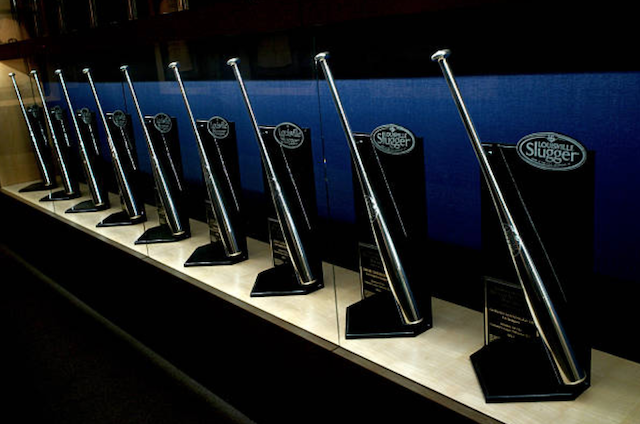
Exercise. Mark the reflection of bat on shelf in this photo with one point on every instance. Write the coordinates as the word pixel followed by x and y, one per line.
pixel 227 234
pixel 394 269
pixel 295 247
pixel 134 210
pixel 543 311
pixel 164 190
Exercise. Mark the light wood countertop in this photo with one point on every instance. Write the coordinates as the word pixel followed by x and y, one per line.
pixel 434 364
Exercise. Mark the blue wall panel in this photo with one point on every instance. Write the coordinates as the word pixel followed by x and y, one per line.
pixel 598 109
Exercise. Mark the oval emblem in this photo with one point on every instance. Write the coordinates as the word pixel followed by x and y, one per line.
pixel 218 127
pixel 85 115
pixel 288 135
pixel 34 111
pixel 119 118
pixel 56 111
pixel 162 122
pixel 551 151
pixel 393 139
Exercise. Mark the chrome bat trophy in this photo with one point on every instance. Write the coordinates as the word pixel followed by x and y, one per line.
pixel 293 240
pixel 98 193
pixel 174 221
pixel 70 186
pixel 228 235
pixel 392 262
pixel 42 161
pixel 544 312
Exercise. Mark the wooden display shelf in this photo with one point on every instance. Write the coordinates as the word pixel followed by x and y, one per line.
pixel 312 316
pixel 435 364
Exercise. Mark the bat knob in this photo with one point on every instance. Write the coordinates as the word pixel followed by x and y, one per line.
pixel 321 56
pixel 233 61
pixel 12 74
pixel 58 72
pixel 174 65
pixel 124 68
pixel 86 70
pixel 33 72
pixel 440 55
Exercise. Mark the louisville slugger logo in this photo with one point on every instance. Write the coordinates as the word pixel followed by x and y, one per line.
pixel 393 139
pixel 162 122
pixel 218 127
pixel 119 118
pixel 289 135
pixel 85 115
pixel 551 151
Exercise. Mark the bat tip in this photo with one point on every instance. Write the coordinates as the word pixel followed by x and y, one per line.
pixel 321 56
pixel 440 55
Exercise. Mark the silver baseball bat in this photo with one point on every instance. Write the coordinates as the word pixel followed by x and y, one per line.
pixel 97 193
pixel 45 172
pixel 70 186
pixel 296 249
pixel 391 260
pixel 227 234
pixel 173 218
pixel 133 209
pixel 543 311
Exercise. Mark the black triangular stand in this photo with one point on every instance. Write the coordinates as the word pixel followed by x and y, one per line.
pixel 60 195
pixel 213 254
pixel 281 280
pixel 121 218
pixel 160 234
pixel 87 206
pixel 39 186
pixel 377 316
pixel 520 372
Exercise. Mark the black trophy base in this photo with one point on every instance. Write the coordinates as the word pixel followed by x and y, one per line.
pixel 87 206
pixel 520 372
pixel 60 195
pixel 281 280
pixel 119 219
pixel 161 234
pixel 213 254
pixel 40 186
pixel 378 316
